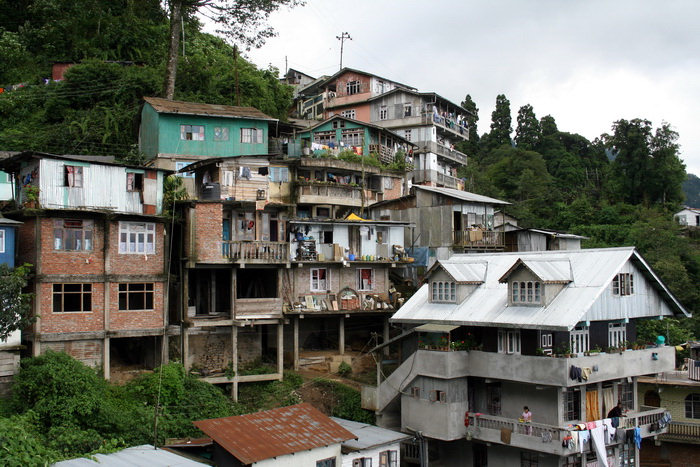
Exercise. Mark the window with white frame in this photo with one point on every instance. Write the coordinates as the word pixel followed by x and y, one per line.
pixel 72 234
pixel 279 174
pixel 251 135
pixel 352 137
pixel 623 284
pixel 220 133
pixel 179 165
pixel 72 298
pixel 319 280
pixel 352 87
pixel 73 176
pixel 348 113
pixel 227 178
pixel 579 339
pixel 137 238
pixel 383 112
pixel 338 124
pixel 617 334
pixel 625 394
pixel 572 404
pixel 365 279
pixel 546 341
pixel 389 458
pixel 325 137
pixel 407 110
pixel 2 241
pixel 192 132
pixel 526 292
pixel 136 296
pixel 444 291
pixel 509 341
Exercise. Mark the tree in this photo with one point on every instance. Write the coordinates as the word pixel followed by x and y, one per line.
pixel 470 147
pixel 500 123
pixel 667 170
pixel 15 305
pixel 528 132
pixel 242 22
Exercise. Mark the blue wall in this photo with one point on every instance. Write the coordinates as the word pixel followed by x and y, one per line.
pixel 8 256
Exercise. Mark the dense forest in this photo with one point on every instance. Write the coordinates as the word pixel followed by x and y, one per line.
pixel 619 189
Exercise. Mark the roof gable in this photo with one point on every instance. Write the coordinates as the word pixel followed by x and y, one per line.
pixel 556 272
pixel 205 110
pixel 462 273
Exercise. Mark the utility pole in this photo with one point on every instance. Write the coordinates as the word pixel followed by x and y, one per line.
pixel 342 38
pixel 235 69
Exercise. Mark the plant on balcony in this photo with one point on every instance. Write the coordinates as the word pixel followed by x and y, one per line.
pixel 31 195
pixel 564 350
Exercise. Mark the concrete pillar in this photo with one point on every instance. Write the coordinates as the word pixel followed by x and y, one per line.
pixel 212 289
pixel 165 349
pixel 296 343
pixel 341 336
pixel 385 336
pixel 186 349
pixel 583 403
pixel 601 415
pixel 234 357
pixel 105 358
pixel 280 349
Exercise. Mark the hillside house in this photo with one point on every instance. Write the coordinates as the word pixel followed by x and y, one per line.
pixel 372 445
pixel 93 231
pixel 484 327
pixel 688 217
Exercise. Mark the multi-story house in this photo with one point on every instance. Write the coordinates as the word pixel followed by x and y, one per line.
pixel 10 347
pixel 434 124
pixel 488 334
pixel 679 392
pixel 93 231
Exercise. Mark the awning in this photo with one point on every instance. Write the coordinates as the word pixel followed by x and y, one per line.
pixel 435 328
pixel 354 217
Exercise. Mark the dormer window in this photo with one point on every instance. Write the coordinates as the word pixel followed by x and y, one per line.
pixel 623 284
pixel 444 291
pixel 526 292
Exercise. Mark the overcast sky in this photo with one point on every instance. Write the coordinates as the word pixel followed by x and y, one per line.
pixel 585 62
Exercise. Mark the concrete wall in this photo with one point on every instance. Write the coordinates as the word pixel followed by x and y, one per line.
pixel 304 457
pixel 373 454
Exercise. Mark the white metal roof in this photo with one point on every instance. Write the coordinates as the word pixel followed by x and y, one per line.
pixel 435 328
pixel 368 436
pixel 558 270
pixel 463 195
pixel 465 272
pixel 591 272
pixel 137 455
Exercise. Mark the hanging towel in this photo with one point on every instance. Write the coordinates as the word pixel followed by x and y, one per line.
pixel 598 439
pixel 610 430
pixel 585 373
pixel 621 435
pixel 574 440
pixel 608 400
pixel 591 425
pixel 615 422
pixel 638 437
pixel 592 409
pixel 583 438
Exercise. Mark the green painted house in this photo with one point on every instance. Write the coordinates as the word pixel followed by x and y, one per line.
pixel 177 133
pixel 338 134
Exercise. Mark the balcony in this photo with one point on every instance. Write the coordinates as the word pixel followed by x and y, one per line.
pixel 479 239
pixel 325 193
pixel 682 432
pixel 532 436
pixel 444 151
pixel 447 124
pixel 256 252
pixel 438 178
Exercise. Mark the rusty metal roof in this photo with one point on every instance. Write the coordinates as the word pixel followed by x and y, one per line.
pixel 211 110
pixel 272 433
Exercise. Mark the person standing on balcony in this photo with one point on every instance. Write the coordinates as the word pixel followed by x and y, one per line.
pixel 616 412
pixel 526 417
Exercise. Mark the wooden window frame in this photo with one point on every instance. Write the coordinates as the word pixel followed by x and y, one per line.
pixel 326 280
pixel 59 293
pixel 129 291
pixel 192 133
pixel 67 231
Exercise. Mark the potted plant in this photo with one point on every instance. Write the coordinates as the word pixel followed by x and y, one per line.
pixel 31 196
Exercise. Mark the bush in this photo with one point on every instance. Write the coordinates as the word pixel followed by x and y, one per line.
pixel 344 369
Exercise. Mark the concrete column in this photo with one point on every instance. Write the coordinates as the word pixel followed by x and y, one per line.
pixel 280 349
pixel 385 336
pixel 105 358
pixel 186 349
pixel 583 403
pixel 601 413
pixel 165 349
pixel 341 336
pixel 296 343
pixel 212 289
pixel 234 357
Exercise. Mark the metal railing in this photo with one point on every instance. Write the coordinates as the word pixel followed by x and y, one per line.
pixel 434 176
pixel 536 430
pixel 446 123
pixel 693 369
pixel 683 431
pixel 256 251
pixel 444 151
pixel 479 238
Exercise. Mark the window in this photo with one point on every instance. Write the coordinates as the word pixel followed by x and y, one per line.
pixel 220 133
pixel 362 462
pixel 625 394
pixel 134 182
pixel 623 284
pixel 72 298
pixel 407 135
pixel 251 135
pixel 323 212
pixel 2 241
pixel 493 399
pixel 529 459
pixel 319 280
pixel 327 237
pixel 443 291
pixel 437 395
pixel 389 459
pixel 352 137
pixel 338 124
pixel 692 405
pixel 330 462
pixel 415 392
pixel 527 292
pixel 179 165
pixel 407 110
pixel 617 334
pixel 348 113
pixel 383 113
pixel 509 341
pixel 325 137
pixel 192 132
pixel 352 87
pixel 72 235
pixel 137 238
pixel 572 405
pixel 546 341
pixel 365 279
pixel 136 297
pixel 279 174
pixel 73 176
pixel 578 340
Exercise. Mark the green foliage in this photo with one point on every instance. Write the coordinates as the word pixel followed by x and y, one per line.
pixel 674 332
pixel 344 369
pixel 271 394
pixel 527 134
pixel 501 123
pixel 21 444
pixel 691 190
pixel 347 402
pixel 15 305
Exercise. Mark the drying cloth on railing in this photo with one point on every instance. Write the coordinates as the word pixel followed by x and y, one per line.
pixel 583 438
pixel 638 437
pixel 609 430
pixel 546 436
pixel 574 440
pixel 598 439
pixel 615 422
pixel 575 373
pixel 585 373
pixel 505 435
pixel 591 425
pixel 665 420
pixel 621 435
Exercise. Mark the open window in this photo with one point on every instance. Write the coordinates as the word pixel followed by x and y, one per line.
pixel 73 176
pixel 134 181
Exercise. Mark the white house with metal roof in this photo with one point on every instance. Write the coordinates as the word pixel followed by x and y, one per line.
pixel 488 329
pixel 372 446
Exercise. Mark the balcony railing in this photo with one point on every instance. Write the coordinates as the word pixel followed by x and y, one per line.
pixel 433 176
pixel 683 431
pixel 486 239
pixel 693 369
pixel 310 192
pixel 446 123
pixel 256 251
pixel 444 151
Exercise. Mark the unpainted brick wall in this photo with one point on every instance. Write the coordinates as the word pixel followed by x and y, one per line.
pixel 396 190
pixel 120 320
pixel 71 322
pixel 208 220
pixel 87 351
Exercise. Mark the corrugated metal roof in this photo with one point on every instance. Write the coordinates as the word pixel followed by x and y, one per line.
pixel 466 272
pixel 554 233
pixel 272 433
pixel 591 273
pixel 546 270
pixel 210 110
pixel 435 328
pixel 368 436
pixel 459 194
pixel 137 455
